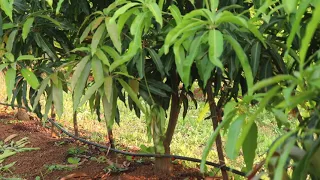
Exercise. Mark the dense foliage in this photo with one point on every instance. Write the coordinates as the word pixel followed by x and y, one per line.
pixel 141 52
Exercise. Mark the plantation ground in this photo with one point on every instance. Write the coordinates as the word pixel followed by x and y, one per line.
pixel 54 151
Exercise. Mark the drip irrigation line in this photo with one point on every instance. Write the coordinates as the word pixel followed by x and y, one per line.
pixel 223 167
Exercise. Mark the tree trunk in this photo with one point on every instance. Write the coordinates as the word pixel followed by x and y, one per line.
pixel 164 164
pixel 110 138
pixel 215 119
pixel 75 124
pixel 53 116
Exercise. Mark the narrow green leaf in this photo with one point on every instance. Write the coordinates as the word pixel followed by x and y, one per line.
pixel 175 12
pixel 85 33
pixel 140 64
pixel 154 8
pixel 50 19
pixel 249 146
pixel 296 25
pixel 255 57
pixel 215 47
pixel 78 71
pixel 113 32
pixel 57 97
pixel 273 80
pixel 90 91
pixel 123 19
pixel 80 85
pixel 11 38
pixel 27 57
pixel 50 2
pixel 243 60
pixel 9 56
pixel 97 69
pixel 311 27
pixel 108 84
pixel 136 25
pixel 156 59
pixel 231 18
pixel 100 54
pixel 41 42
pixel 2 66
pixel 108 109
pixel 30 77
pixel 7 7
pixel 289 5
pixel 185 25
pixel 40 92
pixel 132 94
pixel 122 10
pixel 233 134
pixel 214 5
pixel 59 6
pixel 97 36
pixel 96 22
pixel 26 27
pixel 10 79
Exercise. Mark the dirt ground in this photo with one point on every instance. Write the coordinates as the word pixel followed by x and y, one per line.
pixel 34 164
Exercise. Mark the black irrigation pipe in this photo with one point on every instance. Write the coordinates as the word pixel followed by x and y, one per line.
pixel 223 167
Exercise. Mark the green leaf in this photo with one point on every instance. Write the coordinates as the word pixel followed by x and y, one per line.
pixel 57 23
pixel 100 54
pixel 108 110
pixel 59 6
pixel 97 69
pixel 10 79
pixel 122 10
pixel 186 25
pixel 283 159
pixel 50 2
pixel 30 77
pixel 41 42
pixel 140 64
pixel 132 94
pixel 27 57
pixel 215 47
pixel 157 61
pixel 249 146
pixel 80 85
pixel 123 19
pixel 57 97
pixel 26 27
pixel 9 56
pixel 108 84
pixel 257 33
pixel 11 38
pixel 136 25
pixel 214 5
pixel 255 57
pixel 154 8
pixel 311 28
pixel 175 12
pixel 97 36
pixel 7 7
pixel 296 25
pixel 96 22
pixel 289 5
pixel 243 60
pixel 78 71
pixel 267 82
pixel 233 134
pixel 85 33
pixel 228 17
pixel 90 91
pixel 42 88
pixel 113 32
pixel 2 66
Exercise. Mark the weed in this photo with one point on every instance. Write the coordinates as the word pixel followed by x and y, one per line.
pixel 58 167
pixel 100 159
pixel 114 169
pixel 76 151
pixel 6 168
pixel 73 160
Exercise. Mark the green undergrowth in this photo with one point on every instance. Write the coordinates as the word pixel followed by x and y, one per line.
pixel 190 136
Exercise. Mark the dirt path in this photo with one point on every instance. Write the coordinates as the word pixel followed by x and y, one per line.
pixel 54 151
